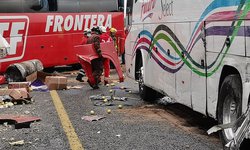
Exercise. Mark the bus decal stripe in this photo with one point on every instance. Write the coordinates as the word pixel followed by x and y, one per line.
pixel 164 67
pixel 214 5
pixel 147 33
pixel 176 40
pixel 237 30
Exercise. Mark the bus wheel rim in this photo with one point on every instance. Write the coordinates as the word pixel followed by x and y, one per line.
pixel 229 115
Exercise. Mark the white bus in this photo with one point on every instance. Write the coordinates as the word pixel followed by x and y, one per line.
pixel 196 52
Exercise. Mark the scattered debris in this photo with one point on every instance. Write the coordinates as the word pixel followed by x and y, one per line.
pixel 18 72
pixel 93 118
pixel 56 82
pixel 41 81
pixel 19 121
pixel 108 98
pixel 75 87
pixel 128 91
pixel 166 101
pixel 17 143
pixel 100 103
pixel 109 111
pixel 5 98
pixel 38 75
pixel 18 85
pixel 92 112
pixel 119 88
pixel 118 135
pixel 38 85
pixel 26 112
pixel 10 97
pixel 16 94
pixel 105 100
pixel 6 105
pixel 5 124
pixel 120 106
pixel 101 100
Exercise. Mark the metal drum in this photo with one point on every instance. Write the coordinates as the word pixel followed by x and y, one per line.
pixel 19 71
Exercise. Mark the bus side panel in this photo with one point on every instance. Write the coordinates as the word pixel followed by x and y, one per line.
pixel 219 55
pixel 197 61
pixel 50 37
pixel 216 33
pixel 212 87
pixel 49 49
pixel 246 82
pixel 213 81
pixel 247 35
pixel 158 70
pixel 183 76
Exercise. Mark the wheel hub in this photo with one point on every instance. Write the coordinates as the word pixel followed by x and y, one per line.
pixel 230 114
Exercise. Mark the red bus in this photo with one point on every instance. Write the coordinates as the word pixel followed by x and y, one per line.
pixel 48 30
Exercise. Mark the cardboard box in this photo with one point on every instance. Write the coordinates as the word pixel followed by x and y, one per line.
pixel 37 75
pixel 56 82
pixel 15 93
pixel 17 85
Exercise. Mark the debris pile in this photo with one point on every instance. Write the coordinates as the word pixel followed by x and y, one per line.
pixel 9 97
pixel 42 81
pixel 108 100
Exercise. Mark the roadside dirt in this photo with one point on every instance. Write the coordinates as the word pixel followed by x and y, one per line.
pixel 177 115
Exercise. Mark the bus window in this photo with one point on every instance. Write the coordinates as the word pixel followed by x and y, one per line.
pixel 98 5
pixel 11 6
pixel 68 5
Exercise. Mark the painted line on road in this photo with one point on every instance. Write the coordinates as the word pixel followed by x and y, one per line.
pixel 74 141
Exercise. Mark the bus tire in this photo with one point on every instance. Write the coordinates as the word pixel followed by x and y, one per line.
pixel 146 93
pixel 229 105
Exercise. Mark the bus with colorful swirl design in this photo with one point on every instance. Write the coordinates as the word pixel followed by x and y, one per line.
pixel 198 53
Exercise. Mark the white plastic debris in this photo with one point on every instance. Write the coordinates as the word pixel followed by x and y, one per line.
pixel 166 100
pixel 17 143
pixel 118 135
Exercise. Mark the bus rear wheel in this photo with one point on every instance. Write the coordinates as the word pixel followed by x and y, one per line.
pixel 229 106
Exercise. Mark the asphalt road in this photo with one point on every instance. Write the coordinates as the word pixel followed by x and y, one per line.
pixel 136 126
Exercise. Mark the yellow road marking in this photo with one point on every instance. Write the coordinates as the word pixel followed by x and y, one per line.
pixel 74 141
